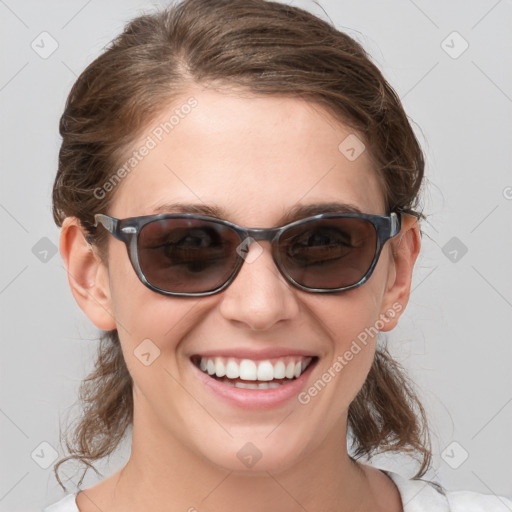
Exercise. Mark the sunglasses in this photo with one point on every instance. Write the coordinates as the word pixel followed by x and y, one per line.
pixel 189 255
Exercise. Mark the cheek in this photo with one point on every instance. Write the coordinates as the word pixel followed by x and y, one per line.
pixel 149 324
pixel 353 316
pixel 352 323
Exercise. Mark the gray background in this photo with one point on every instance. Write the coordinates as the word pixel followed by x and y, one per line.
pixel 455 335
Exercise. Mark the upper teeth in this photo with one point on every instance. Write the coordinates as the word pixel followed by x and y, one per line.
pixel 247 369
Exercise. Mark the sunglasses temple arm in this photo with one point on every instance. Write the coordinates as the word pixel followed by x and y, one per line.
pixel 396 223
pixel 109 223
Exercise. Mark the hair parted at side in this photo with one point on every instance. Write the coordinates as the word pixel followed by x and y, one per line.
pixel 267 48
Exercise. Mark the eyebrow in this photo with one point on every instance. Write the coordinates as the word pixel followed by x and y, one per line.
pixel 297 212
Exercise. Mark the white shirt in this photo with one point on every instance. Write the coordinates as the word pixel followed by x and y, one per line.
pixel 417 496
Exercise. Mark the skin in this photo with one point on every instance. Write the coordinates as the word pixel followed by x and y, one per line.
pixel 256 157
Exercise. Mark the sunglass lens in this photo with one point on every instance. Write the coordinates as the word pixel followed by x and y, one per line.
pixel 329 253
pixel 187 255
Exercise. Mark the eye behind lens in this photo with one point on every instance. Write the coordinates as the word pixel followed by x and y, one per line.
pixel 329 253
pixel 187 256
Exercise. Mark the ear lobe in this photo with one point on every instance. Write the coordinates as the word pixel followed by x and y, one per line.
pixel 87 275
pixel 405 248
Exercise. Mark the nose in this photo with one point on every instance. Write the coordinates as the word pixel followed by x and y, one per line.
pixel 259 296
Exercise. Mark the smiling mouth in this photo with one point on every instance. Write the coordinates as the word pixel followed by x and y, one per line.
pixel 251 374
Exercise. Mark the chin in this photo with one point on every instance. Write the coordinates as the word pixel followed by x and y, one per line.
pixel 252 451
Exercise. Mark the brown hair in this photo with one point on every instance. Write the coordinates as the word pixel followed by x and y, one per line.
pixel 270 49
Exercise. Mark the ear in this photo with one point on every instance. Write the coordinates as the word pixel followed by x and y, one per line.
pixel 87 275
pixel 404 250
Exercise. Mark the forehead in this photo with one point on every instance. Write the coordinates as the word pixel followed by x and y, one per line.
pixel 253 157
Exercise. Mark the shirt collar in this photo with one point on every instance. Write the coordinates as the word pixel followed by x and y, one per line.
pixel 420 495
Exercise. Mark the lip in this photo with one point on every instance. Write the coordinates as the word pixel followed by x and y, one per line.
pixel 255 355
pixel 255 399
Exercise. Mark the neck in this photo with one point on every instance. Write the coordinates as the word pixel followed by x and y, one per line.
pixel 163 474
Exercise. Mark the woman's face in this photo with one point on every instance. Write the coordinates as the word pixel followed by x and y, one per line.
pixel 255 159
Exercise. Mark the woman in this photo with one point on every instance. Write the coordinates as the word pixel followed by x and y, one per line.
pixel 238 189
